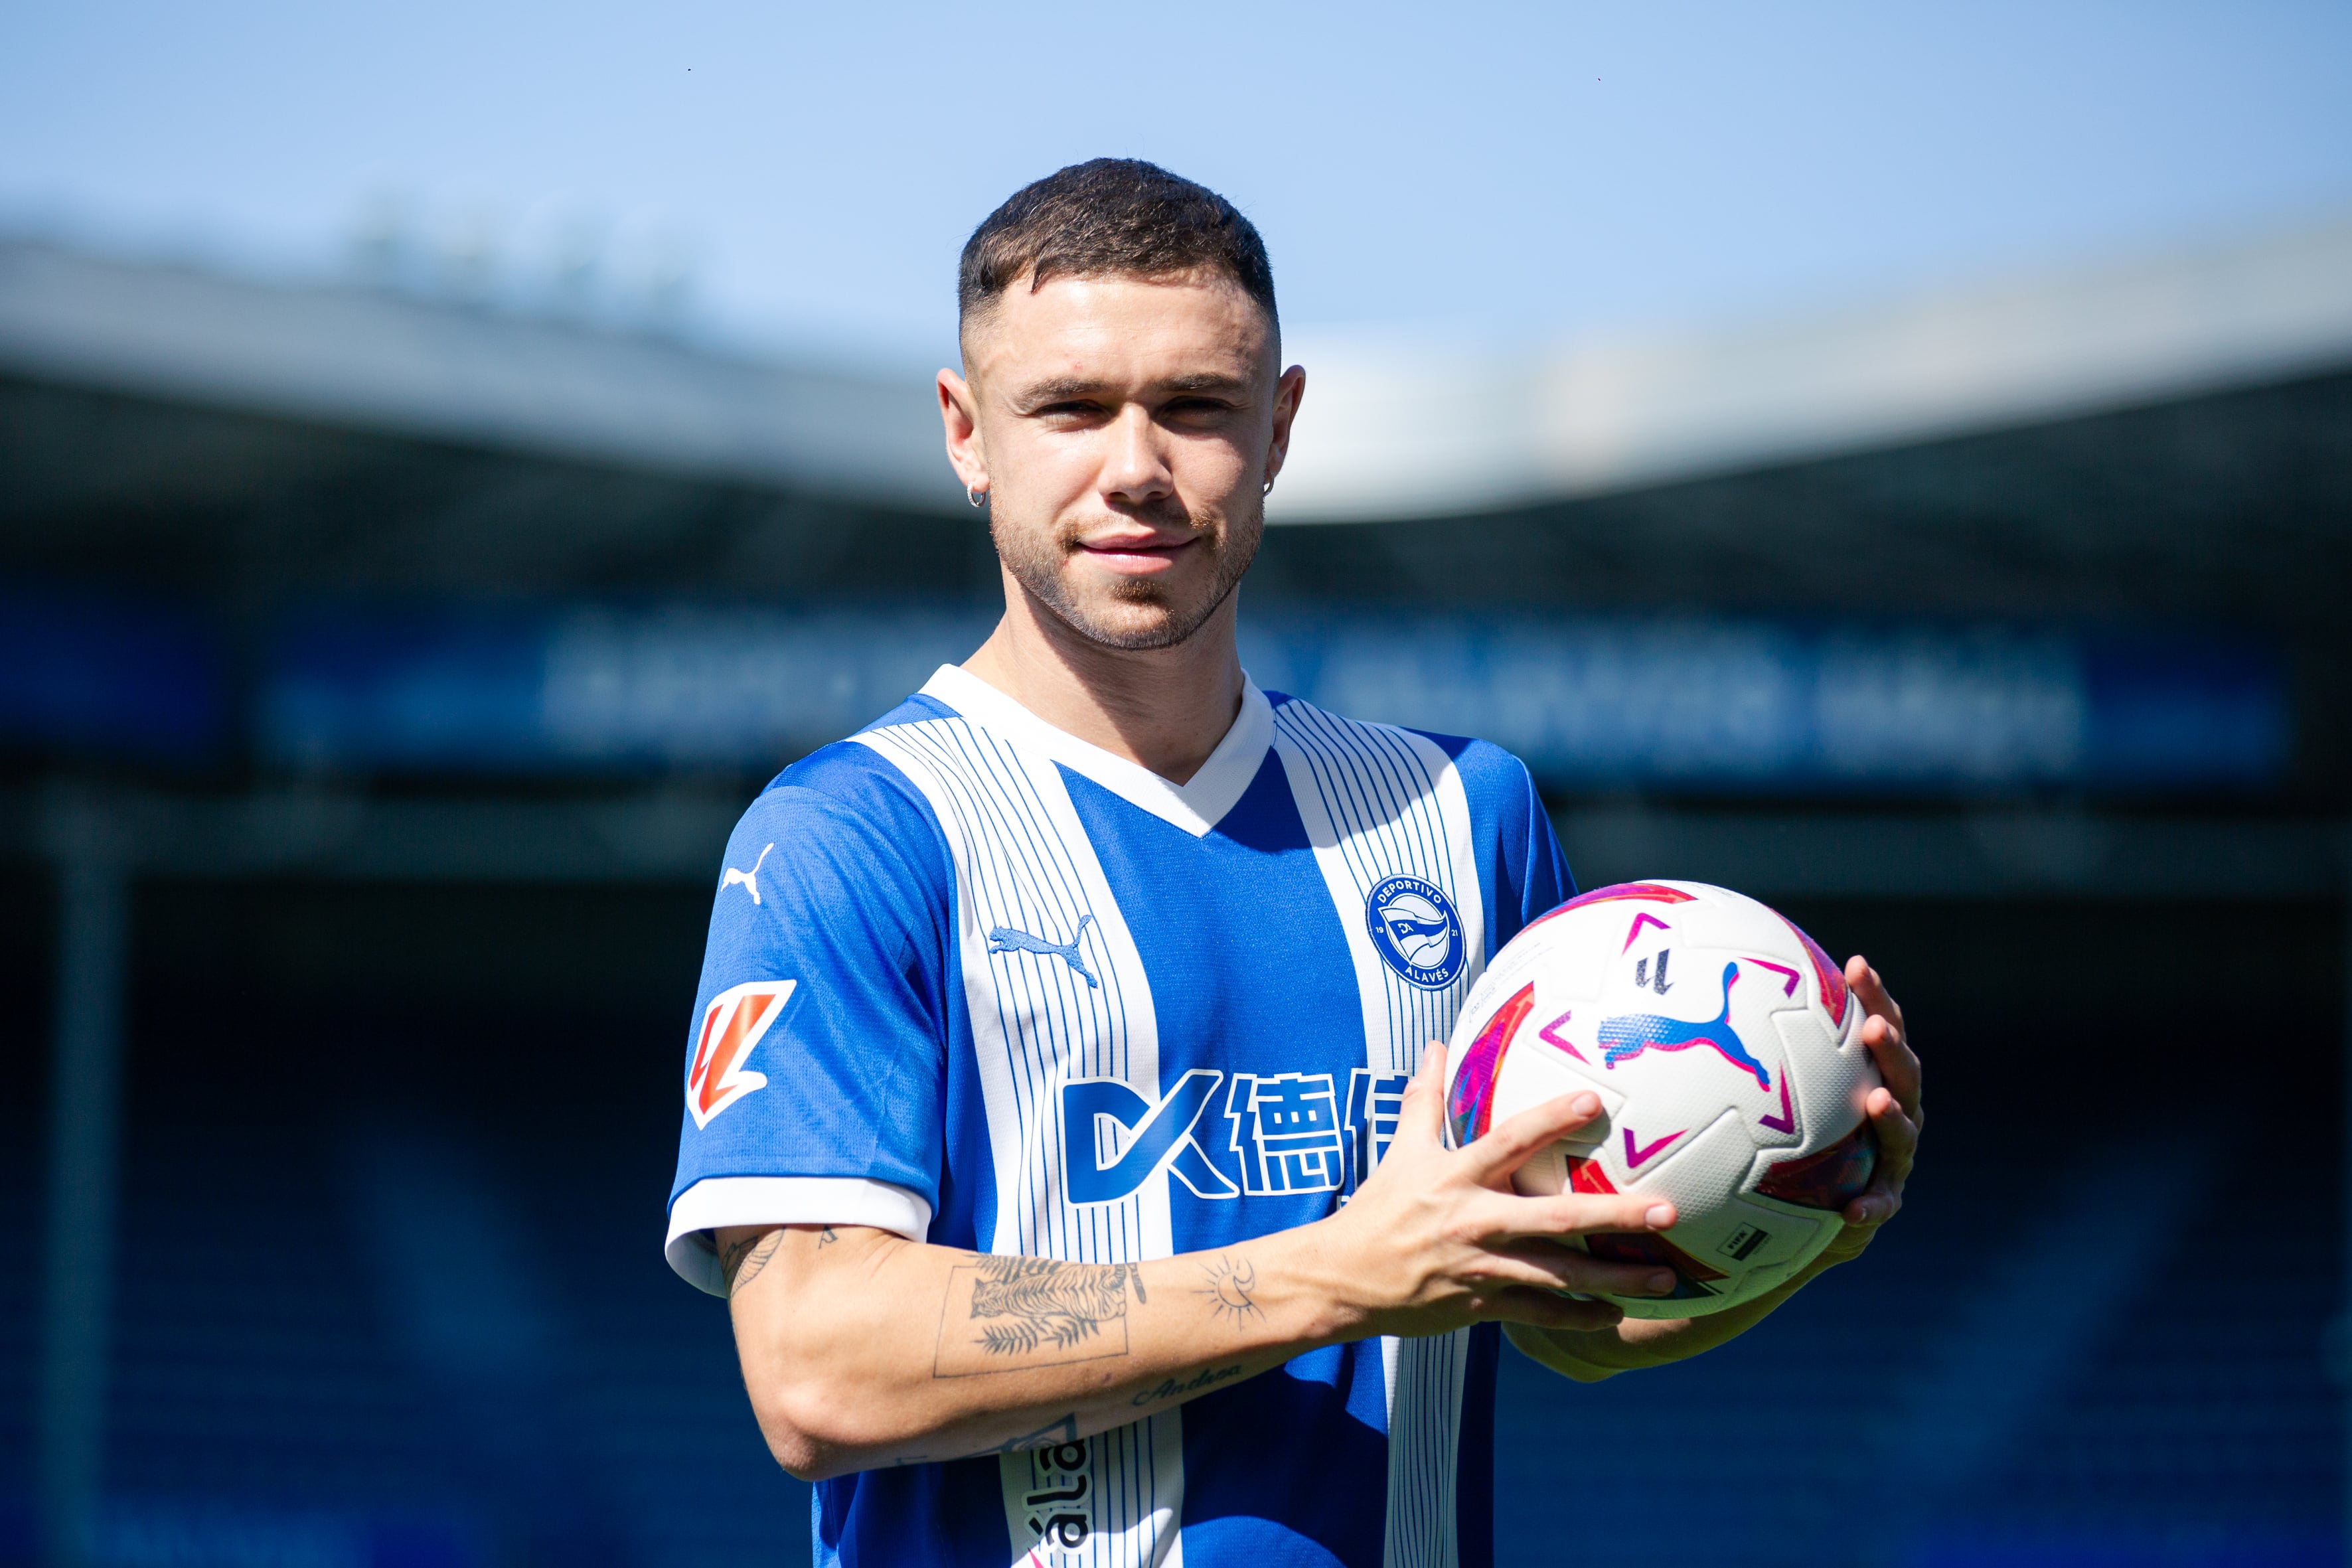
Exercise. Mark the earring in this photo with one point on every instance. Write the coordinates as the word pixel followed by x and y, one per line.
pixel 1269 489
pixel 977 497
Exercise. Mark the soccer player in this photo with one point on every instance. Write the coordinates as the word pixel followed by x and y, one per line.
pixel 1063 1115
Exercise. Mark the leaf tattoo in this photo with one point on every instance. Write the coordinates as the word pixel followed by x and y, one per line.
pixel 1042 1300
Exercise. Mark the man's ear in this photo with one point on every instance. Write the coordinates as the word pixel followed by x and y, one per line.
pixel 960 414
pixel 1288 392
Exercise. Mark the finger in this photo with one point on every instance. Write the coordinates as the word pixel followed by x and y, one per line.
pixel 1548 1310
pixel 1577 1214
pixel 1883 1034
pixel 1421 1115
pixel 1875 1207
pixel 1865 983
pixel 1557 1267
pixel 1878 1202
pixel 1898 1135
pixel 1897 1064
pixel 1898 1139
pixel 1506 1148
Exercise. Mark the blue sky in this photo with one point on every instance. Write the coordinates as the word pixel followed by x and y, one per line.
pixel 1496 169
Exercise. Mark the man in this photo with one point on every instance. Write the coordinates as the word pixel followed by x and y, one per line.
pixel 1063 1132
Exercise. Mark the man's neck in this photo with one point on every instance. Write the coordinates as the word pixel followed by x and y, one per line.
pixel 1165 708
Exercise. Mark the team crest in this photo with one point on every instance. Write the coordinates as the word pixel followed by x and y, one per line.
pixel 1416 930
pixel 731 1025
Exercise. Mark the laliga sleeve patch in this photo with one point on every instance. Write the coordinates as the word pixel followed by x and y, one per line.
pixel 734 1023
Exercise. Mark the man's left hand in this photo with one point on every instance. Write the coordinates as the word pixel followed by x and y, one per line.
pixel 1894 1111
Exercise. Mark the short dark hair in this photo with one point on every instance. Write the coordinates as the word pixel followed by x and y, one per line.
pixel 1110 215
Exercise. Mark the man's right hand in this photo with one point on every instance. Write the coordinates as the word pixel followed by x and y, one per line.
pixel 1436 1238
pixel 862 1348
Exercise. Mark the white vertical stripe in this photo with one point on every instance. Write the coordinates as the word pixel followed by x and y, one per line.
pixel 1022 861
pixel 1379 802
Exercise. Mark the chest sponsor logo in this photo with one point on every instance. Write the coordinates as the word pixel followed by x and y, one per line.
pixel 1114 1140
pixel 1416 930
pixel 1284 1134
pixel 735 1022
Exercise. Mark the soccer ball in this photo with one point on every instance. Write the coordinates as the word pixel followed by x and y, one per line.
pixel 1728 1059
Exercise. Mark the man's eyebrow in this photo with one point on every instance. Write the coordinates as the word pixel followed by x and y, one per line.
pixel 1068 388
pixel 1210 381
pixel 1057 389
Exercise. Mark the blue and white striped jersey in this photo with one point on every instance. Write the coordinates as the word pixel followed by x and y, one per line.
pixel 977 982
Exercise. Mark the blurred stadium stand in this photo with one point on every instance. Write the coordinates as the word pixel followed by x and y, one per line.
pixel 379 675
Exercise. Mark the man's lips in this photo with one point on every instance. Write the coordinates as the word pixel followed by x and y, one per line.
pixel 1146 553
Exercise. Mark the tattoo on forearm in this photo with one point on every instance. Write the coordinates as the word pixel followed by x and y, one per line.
pixel 826 1238
pixel 1206 1378
pixel 1230 1281
pixel 740 1263
pixel 1007 1313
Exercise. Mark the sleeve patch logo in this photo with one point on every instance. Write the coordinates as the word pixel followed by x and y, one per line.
pixel 733 1024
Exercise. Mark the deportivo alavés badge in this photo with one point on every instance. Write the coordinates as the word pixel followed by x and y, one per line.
pixel 1416 930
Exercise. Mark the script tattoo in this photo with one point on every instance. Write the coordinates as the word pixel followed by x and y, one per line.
pixel 740 1263
pixel 826 1238
pixel 1003 1313
pixel 1230 1282
pixel 1206 1378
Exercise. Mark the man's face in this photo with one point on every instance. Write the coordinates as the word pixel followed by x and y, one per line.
pixel 1125 429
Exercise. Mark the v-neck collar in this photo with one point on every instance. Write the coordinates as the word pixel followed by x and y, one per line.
pixel 1195 807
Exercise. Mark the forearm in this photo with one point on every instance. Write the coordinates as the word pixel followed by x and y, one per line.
pixel 862 1348
pixel 1592 1355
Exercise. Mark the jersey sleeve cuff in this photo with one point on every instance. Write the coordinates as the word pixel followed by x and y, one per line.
pixel 718 1201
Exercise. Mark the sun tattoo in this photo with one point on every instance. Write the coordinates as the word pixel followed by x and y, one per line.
pixel 1230 1282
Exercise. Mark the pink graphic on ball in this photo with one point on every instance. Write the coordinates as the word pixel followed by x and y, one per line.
pixel 1644 918
pixel 1646 892
pixel 1472 1102
pixel 1551 1032
pixel 1637 1154
pixel 1832 977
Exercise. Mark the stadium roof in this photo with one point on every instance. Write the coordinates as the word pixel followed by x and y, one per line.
pixel 1392 430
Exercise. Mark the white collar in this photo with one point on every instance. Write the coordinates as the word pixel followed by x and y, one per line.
pixel 1195 807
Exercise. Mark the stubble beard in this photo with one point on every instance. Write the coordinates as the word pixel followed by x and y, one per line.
pixel 1037 564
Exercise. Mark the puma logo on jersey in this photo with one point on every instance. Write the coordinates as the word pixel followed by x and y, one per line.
pixel 732 1025
pixel 750 878
pixel 1005 939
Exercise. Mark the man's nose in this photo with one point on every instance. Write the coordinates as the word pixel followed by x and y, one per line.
pixel 1135 466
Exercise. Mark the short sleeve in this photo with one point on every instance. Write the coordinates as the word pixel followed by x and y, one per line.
pixel 815 1062
pixel 1543 880
pixel 1521 869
